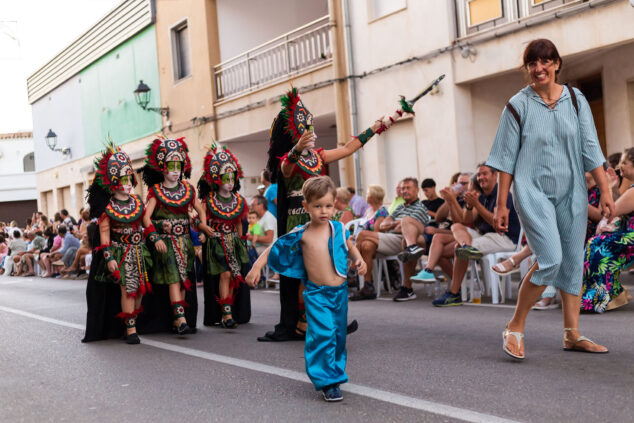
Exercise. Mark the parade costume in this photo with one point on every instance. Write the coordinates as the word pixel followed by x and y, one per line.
pixel 170 224
pixel 225 250
pixel 125 247
pixel 288 126
pixel 326 306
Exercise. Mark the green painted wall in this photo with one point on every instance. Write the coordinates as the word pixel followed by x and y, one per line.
pixel 107 98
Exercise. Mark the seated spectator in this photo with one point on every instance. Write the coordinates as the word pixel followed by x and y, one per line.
pixel 433 201
pixel 389 241
pixel 36 243
pixel 343 211
pixel 398 200
pixel 270 193
pixel 448 211
pixel 83 223
pixel 13 226
pixel 69 248
pixel 611 251
pixel 53 254
pixel 474 243
pixel 357 203
pixel 4 250
pixel 76 269
pixel 376 212
pixel 16 246
pixel 267 222
pixel 67 219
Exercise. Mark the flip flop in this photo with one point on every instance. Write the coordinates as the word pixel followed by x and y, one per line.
pixel 499 270
pixel 576 348
pixel 518 337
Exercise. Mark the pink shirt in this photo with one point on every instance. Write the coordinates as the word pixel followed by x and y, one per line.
pixel 57 241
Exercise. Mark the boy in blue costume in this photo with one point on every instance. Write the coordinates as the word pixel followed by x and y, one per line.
pixel 317 254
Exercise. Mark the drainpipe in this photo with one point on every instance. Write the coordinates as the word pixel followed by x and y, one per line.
pixel 352 92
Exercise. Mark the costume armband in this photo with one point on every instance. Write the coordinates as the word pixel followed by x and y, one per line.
pixel 293 155
pixel 151 234
pixel 365 136
pixel 107 253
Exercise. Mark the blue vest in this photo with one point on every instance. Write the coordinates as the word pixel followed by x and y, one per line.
pixel 286 257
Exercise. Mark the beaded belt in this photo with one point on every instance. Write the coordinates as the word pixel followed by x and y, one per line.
pixel 222 228
pixel 178 226
pixel 134 238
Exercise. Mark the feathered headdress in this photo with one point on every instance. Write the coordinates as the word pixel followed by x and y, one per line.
pixel 111 166
pixel 219 161
pixel 164 150
pixel 297 118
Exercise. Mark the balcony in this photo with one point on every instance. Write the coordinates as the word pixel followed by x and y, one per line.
pixel 299 51
pixel 476 17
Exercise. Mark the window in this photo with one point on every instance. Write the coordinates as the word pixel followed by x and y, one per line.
pixel 181 53
pixel 380 8
pixel 28 162
pixel 480 11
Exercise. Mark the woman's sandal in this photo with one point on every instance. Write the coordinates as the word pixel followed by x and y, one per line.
pixel 518 337
pixel 301 323
pixel 574 345
pixel 501 269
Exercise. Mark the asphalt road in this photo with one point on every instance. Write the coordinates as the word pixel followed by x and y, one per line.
pixel 407 362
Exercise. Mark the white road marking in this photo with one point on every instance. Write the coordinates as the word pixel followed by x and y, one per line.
pixel 366 391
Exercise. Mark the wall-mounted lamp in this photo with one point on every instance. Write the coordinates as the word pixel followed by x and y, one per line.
pixel 467 51
pixel 51 142
pixel 142 95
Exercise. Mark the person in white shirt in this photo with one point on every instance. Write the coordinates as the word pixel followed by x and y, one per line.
pixel 267 221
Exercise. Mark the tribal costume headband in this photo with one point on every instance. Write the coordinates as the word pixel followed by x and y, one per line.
pixel 113 164
pixel 163 150
pixel 218 162
pixel 297 118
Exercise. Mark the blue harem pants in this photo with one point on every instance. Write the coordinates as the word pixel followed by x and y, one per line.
pixel 325 347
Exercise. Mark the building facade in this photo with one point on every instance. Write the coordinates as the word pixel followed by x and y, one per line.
pixel 218 67
pixel 18 196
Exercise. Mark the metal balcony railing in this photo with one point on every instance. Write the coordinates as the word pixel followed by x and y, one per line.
pixel 302 49
pixel 510 12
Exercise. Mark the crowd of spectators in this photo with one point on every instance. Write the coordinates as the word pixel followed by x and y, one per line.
pixel 44 247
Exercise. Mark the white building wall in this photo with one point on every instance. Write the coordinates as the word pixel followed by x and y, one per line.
pixel 15 183
pixel 245 24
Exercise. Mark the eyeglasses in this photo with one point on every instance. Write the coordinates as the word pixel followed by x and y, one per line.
pixel 544 62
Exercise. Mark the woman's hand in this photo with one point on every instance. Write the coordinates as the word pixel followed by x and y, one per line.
pixel 501 219
pixel 112 266
pixel 307 140
pixel 606 205
pixel 160 246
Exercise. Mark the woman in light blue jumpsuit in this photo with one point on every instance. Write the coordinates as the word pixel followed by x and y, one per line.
pixel 544 144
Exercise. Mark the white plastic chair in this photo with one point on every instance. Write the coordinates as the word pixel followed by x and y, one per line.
pixel 499 291
pixel 380 264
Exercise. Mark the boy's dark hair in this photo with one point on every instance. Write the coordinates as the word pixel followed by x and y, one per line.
pixel 17 234
pixel 62 230
pixel 316 188
pixel 261 200
pixel 351 190
pixel 38 233
pixel 63 212
pixel 252 212
pixel 428 183
pixel 412 180
pixel 266 174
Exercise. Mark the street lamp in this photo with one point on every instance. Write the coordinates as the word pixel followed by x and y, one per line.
pixel 51 142
pixel 142 95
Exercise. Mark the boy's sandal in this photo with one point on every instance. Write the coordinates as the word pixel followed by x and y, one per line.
pixel 518 337
pixel 502 270
pixel 570 345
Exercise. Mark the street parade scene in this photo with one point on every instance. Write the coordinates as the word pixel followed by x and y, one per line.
pixel 317 210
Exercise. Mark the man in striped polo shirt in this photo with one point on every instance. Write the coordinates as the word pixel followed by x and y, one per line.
pixel 388 241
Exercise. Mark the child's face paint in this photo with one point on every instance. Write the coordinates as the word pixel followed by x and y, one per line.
pixel 173 172
pixel 126 184
pixel 227 182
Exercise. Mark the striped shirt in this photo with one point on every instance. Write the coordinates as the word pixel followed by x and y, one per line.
pixel 415 209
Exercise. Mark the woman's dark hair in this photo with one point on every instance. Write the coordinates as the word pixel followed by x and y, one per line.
pixel 476 184
pixel 97 199
pixel 629 154
pixel 2 239
pixel 48 232
pixel 541 49
pixel 151 176
pixel 280 143
pixel 17 234
pixel 58 217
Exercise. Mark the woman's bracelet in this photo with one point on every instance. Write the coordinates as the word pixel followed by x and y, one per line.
pixel 365 136
pixel 293 155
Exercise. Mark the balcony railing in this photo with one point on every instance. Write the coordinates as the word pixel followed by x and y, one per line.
pixel 477 16
pixel 297 51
